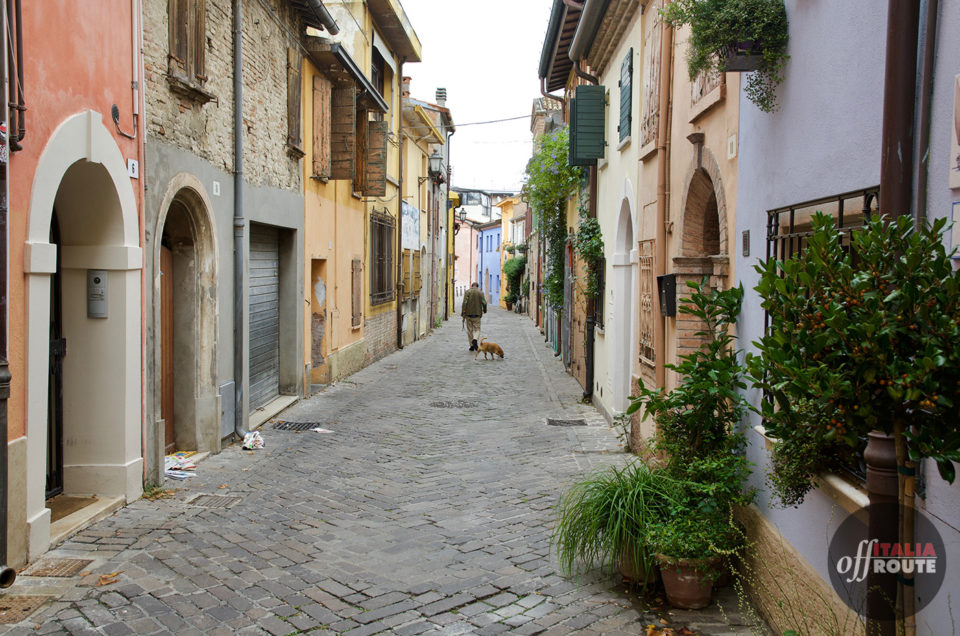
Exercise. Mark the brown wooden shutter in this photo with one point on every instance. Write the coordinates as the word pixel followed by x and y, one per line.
pixel 321 126
pixel 360 169
pixel 356 275
pixel 199 39
pixel 376 160
pixel 293 97
pixel 407 280
pixel 179 24
pixel 343 134
pixel 417 273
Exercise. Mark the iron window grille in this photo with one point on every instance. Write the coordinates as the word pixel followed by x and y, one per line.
pixel 788 230
pixel 381 258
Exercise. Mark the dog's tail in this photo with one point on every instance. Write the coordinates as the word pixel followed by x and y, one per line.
pixel 481 340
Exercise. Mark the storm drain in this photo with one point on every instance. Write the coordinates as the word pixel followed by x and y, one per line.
pixel 57 567
pixel 295 426
pixel 554 422
pixel 456 404
pixel 213 501
pixel 14 609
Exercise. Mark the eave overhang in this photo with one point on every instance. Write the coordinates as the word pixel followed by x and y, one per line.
pixel 555 64
pixel 392 22
pixel 334 61
pixel 315 15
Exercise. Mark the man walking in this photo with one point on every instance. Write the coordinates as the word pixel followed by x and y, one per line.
pixel 473 307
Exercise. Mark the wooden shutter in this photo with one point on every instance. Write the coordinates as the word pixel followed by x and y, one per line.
pixel 587 123
pixel 360 168
pixel 376 160
pixel 293 97
pixel 343 139
pixel 179 16
pixel 356 277
pixel 199 39
pixel 406 282
pixel 417 273
pixel 626 95
pixel 321 126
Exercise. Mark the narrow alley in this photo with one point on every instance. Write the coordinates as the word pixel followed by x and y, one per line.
pixel 426 506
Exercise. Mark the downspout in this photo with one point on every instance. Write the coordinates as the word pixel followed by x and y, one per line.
pixel 398 283
pixel 663 189
pixel 238 221
pixel 908 476
pixel 543 91
pixel 926 92
pixel 7 574
pixel 15 67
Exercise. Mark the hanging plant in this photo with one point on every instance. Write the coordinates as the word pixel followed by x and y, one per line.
pixel 588 242
pixel 728 35
pixel 550 182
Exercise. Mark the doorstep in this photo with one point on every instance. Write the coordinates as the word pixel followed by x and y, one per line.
pixel 268 410
pixel 63 529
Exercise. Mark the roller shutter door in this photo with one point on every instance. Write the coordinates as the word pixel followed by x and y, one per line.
pixel 264 315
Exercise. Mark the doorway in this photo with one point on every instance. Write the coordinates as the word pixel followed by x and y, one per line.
pixel 58 350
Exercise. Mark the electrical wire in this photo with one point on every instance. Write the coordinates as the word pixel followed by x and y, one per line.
pixel 493 121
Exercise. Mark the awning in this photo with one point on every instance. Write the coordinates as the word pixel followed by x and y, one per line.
pixel 334 61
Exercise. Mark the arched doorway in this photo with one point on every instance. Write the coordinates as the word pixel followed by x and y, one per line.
pixel 82 175
pixel 185 317
pixel 622 315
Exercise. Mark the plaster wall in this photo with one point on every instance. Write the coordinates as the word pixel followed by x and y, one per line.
pixel 824 140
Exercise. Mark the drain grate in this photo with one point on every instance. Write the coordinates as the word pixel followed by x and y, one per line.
pixel 213 501
pixel 553 422
pixel 57 567
pixel 14 609
pixel 457 404
pixel 294 426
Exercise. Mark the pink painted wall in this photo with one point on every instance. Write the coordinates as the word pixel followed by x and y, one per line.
pixel 78 56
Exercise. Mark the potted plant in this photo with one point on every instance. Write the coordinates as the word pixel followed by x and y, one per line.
pixel 736 35
pixel 603 520
pixel 509 299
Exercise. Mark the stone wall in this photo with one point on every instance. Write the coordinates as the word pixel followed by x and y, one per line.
pixel 206 129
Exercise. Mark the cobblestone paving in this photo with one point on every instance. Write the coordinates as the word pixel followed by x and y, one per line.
pixel 427 509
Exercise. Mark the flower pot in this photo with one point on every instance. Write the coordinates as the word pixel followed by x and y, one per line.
pixel 742 57
pixel 509 306
pixel 641 574
pixel 688 582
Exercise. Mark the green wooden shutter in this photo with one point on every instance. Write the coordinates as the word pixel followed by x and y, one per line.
pixel 587 123
pixel 626 95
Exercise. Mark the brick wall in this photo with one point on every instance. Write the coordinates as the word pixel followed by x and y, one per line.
pixel 206 129
pixel 380 335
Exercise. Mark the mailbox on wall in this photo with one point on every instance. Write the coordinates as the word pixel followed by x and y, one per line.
pixel 667 288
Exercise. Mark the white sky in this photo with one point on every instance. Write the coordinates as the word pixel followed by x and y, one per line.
pixel 486 53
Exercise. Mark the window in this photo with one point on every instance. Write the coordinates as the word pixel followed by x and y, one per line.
pixel 601 290
pixel 498 241
pixel 626 95
pixel 381 258
pixel 294 65
pixel 187 38
pixel 356 287
pixel 377 72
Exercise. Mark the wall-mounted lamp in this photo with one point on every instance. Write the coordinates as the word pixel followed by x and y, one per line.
pixel 434 169
pixel 462 216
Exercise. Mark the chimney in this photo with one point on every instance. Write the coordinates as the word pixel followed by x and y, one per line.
pixel 405 90
pixel 442 97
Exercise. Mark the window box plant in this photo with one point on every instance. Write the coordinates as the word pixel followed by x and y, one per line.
pixel 736 35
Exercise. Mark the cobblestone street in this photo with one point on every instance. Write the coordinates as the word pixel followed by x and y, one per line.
pixel 427 508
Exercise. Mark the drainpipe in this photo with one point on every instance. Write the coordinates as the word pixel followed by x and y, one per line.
pixel 238 221
pixel 543 91
pixel 323 16
pixel 398 283
pixel 663 188
pixel 7 574
pixel 926 92
pixel 16 132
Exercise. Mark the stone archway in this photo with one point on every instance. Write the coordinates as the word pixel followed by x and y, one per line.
pixel 82 174
pixel 184 321
pixel 703 239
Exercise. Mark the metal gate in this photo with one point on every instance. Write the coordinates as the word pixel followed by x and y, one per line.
pixel 264 314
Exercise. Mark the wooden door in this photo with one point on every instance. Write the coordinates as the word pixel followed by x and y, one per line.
pixel 166 346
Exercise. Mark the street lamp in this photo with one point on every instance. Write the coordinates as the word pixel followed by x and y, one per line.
pixel 435 166
pixel 462 216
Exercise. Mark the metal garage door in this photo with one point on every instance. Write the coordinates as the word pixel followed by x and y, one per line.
pixel 264 315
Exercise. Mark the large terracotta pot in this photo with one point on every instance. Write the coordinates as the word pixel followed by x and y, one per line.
pixel 688 582
pixel 639 574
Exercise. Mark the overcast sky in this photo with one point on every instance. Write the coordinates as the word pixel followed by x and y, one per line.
pixel 486 54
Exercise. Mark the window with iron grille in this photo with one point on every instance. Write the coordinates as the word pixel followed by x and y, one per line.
pixel 601 290
pixel 381 258
pixel 788 230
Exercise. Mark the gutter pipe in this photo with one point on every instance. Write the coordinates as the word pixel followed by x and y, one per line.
pixel 323 16
pixel 239 222
pixel 926 93
pixel 663 189
pixel 15 66
pixel 398 284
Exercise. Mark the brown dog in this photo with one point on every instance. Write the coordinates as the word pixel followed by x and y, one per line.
pixel 488 347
